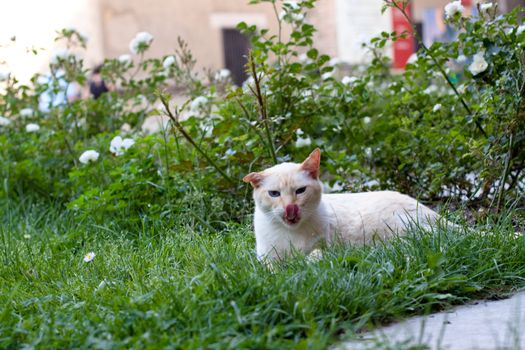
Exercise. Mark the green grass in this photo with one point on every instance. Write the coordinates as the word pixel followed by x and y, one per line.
pixel 167 285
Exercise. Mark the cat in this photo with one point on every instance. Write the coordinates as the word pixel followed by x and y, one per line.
pixel 291 213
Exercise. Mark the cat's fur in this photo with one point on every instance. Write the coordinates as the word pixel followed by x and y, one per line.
pixel 302 221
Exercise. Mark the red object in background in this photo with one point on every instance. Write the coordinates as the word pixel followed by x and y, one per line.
pixel 403 47
pixel 466 2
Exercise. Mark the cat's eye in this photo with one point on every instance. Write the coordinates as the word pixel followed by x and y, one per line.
pixel 300 190
pixel 274 193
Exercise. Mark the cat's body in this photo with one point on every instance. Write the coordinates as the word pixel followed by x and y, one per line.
pixel 291 213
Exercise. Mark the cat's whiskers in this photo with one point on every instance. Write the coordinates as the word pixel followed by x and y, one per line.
pixel 274 218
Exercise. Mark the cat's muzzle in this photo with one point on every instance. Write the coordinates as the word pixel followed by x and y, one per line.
pixel 291 214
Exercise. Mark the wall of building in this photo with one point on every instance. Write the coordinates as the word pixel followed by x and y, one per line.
pixel 198 22
pixel 357 22
pixel 323 17
pixel 342 25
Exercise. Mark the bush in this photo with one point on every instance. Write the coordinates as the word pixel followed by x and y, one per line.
pixel 450 127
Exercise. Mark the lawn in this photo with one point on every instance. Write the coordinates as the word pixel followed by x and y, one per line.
pixel 169 285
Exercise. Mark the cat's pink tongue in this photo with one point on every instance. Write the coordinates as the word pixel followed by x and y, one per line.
pixel 291 212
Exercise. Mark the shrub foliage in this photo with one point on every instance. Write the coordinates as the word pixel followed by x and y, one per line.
pixel 450 126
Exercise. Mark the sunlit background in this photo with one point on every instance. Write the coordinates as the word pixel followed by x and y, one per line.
pixel 207 25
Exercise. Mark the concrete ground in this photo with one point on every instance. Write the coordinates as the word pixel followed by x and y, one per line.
pixel 484 325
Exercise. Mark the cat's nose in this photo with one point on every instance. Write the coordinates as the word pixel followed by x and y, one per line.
pixel 291 211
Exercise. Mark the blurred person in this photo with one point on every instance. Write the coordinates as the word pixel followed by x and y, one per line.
pixel 97 86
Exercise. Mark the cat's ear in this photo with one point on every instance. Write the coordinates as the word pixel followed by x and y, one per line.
pixel 312 163
pixel 254 179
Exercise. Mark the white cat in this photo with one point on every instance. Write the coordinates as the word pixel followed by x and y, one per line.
pixel 292 213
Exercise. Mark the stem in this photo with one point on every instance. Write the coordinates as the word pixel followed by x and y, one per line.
pixel 279 23
pixel 262 110
pixel 139 64
pixel 166 155
pixel 247 114
pixel 180 128
pixel 437 65
pixel 60 125
pixel 501 195
pixel 69 149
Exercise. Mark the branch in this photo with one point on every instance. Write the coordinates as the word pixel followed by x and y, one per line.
pixel 175 120
pixel 396 5
pixel 262 109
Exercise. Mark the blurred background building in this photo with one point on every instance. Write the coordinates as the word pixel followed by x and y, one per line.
pixel 208 26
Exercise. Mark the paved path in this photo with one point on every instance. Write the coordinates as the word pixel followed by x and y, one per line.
pixel 485 325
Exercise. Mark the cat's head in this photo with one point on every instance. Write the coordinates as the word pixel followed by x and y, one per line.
pixel 288 193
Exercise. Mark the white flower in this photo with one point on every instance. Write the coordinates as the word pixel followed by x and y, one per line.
pixel 230 152
pixel 349 80
pixel 519 30
pixel 42 80
pixel 115 144
pixel 140 42
pixel 478 65
pixel 125 59
pixel 327 75
pixel 338 186
pixel 292 4
pixel 89 257
pixel 368 152
pixel 4 75
pixel 4 121
pixel 291 17
pixel 168 62
pixel 367 120
pixel 88 156
pixel 462 59
pixel 31 127
pixel 485 8
pixel 127 143
pixel 144 37
pixel 198 103
pixel 26 112
pixel 436 108
pixel 371 183
pixel 453 8
pixel 125 128
pixel 413 58
pixel 303 142
pixel 297 17
pixel 222 74
pixel 432 88
pixel 118 145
